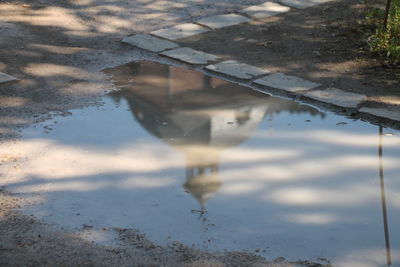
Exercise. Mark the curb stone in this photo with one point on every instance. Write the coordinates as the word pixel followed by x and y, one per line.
pixel 337 97
pixel 221 21
pixel 237 70
pixel 190 55
pixel 382 113
pixel 285 82
pixel 303 4
pixel 149 42
pixel 180 31
pixel 265 10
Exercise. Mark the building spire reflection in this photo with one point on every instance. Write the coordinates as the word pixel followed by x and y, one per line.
pixel 202 175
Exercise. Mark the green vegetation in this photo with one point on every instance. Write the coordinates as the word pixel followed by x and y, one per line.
pixel 385 41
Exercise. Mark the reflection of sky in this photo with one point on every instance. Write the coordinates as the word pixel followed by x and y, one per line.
pixel 294 188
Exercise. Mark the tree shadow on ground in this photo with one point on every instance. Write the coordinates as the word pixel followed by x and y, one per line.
pixel 56 48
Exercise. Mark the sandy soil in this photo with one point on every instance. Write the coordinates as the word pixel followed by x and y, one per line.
pixel 58 48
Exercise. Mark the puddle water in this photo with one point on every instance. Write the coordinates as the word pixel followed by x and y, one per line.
pixel 190 158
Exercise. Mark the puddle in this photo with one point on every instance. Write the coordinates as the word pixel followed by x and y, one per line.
pixel 190 158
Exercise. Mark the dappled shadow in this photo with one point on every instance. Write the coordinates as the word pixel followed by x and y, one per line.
pixel 57 47
pixel 285 179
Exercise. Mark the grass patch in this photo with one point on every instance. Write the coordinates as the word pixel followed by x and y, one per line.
pixel 385 42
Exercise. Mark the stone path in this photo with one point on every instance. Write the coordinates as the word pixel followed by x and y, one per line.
pixel 159 41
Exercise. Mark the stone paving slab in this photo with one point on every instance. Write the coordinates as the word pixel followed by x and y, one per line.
pixel 190 55
pixel 285 82
pixel 265 10
pixel 337 97
pixel 149 42
pixel 221 21
pixel 302 4
pixel 383 113
pixel 180 31
pixel 238 70
pixel 6 78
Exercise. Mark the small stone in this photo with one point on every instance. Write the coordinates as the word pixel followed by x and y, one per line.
pixel 238 70
pixel 86 226
pixel 190 55
pixel 337 97
pixel 265 10
pixel 221 21
pixel 180 31
pixel 383 113
pixel 279 260
pixel 149 42
pixel 6 78
pixel 302 4
pixel 285 82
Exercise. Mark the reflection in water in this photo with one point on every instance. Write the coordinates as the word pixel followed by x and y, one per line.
pixel 196 114
pixel 283 178
pixel 383 199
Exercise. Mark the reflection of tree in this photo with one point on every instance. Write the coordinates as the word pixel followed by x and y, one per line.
pixel 196 114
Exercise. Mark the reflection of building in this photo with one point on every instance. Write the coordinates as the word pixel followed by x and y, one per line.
pixel 196 114
pixel 202 178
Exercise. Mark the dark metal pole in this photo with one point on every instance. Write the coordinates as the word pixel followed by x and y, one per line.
pixel 383 199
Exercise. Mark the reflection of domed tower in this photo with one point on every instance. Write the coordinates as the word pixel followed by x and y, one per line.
pixel 194 113
pixel 202 178
pixel 202 134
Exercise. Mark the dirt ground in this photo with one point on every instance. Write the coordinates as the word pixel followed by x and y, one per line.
pixel 58 48
pixel 28 242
